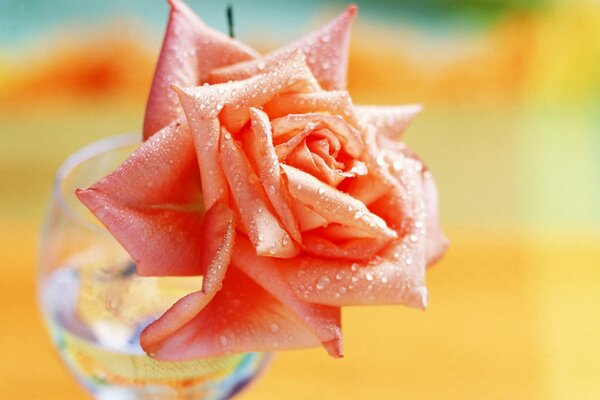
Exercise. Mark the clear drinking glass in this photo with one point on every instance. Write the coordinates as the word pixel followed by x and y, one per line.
pixel 95 305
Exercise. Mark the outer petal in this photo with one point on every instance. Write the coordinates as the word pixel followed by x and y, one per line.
pixel 231 101
pixel 263 228
pixel 437 244
pixel 390 121
pixel 397 275
pixel 323 321
pixel 241 317
pixel 333 205
pixel 260 146
pixel 326 53
pixel 152 204
pixel 399 159
pixel 219 232
pixel 190 50
pixel 206 133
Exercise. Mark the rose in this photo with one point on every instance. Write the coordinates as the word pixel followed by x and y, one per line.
pixel 308 202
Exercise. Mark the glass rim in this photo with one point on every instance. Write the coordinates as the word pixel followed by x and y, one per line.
pixel 79 157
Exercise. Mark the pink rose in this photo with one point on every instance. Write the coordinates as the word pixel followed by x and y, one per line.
pixel 260 174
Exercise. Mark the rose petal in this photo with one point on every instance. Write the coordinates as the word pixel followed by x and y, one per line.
pixel 231 101
pixel 217 245
pixel 259 143
pixel 437 244
pixel 323 321
pixel 180 313
pixel 327 147
pixel 331 176
pixel 332 102
pixel 354 249
pixel 190 49
pixel 337 232
pixel 389 121
pixel 218 238
pixel 152 204
pixel 326 52
pixel 242 317
pixel 263 228
pixel 395 276
pixel 283 150
pixel 348 136
pixel 307 219
pixel 206 133
pixel 333 205
pixel 368 188
pixel 304 160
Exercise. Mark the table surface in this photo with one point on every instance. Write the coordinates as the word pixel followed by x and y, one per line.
pixel 511 316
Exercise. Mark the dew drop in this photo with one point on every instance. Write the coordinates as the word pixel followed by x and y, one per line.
pixel 223 340
pixel 369 276
pixel 252 178
pixel 323 282
pixel 274 328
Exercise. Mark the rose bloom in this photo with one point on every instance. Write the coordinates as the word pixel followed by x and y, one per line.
pixel 260 174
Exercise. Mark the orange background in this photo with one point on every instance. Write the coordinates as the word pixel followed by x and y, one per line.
pixel 511 130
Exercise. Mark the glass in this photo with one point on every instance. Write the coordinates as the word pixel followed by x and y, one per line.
pixel 95 305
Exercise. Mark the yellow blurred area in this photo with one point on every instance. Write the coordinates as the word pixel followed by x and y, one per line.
pixel 511 130
pixel 511 317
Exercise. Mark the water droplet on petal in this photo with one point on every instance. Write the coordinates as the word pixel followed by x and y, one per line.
pixel 323 282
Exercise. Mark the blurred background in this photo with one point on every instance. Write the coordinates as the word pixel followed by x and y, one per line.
pixel 511 130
